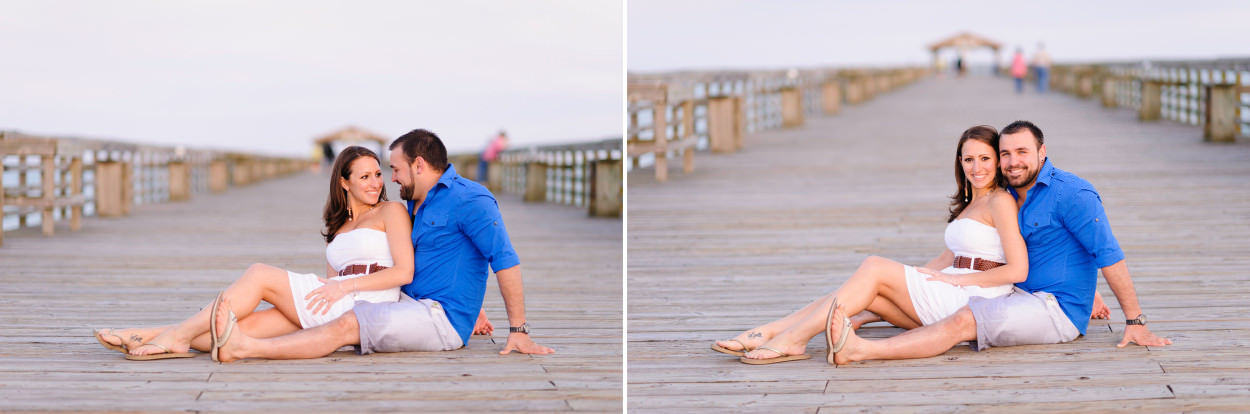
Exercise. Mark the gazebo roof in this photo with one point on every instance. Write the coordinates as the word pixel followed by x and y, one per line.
pixel 351 133
pixel 965 40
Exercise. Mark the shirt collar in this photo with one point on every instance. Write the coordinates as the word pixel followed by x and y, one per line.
pixel 448 176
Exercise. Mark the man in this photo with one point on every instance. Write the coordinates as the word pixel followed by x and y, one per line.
pixel 457 231
pixel 1069 240
pixel 1041 63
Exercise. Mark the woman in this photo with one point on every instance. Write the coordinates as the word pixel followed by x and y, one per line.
pixel 985 255
pixel 369 256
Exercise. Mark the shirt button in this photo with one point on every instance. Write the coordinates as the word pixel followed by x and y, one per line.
pixel 1095 220
pixel 1034 224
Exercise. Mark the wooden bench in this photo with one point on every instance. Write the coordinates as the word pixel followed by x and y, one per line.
pixel 70 194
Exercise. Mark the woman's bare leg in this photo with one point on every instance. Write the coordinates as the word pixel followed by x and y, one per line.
pixel 890 312
pixel 260 282
pixel 876 278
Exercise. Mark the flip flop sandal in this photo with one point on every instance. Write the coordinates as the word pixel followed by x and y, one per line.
pixel 221 340
pixel 212 324
pixel 99 337
pixel 740 352
pixel 832 348
pixel 167 354
pixel 781 357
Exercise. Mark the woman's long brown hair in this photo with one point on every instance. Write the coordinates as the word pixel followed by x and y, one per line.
pixel 989 136
pixel 336 211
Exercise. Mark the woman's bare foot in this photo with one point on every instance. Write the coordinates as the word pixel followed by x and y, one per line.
pixel 783 343
pixel 232 346
pixel 845 355
pixel 862 318
pixel 746 341
pixel 130 338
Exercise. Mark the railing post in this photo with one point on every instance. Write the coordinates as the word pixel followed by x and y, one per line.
pixel 660 132
pixel 723 124
pixel 606 189
pixel 75 172
pixel 687 126
pixel 218 177
pixel 1084 84
pixel 535 181
pixel 113 189
pixel 48 180
pixel 1109 83
pixel 494 175
pixel 1151 102
pixel 179 181
pixel 831 97
pixel 1221 116
pixel 791 107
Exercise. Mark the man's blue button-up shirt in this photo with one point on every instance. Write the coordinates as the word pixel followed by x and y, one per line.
pixel 1068 238
pixel 456 232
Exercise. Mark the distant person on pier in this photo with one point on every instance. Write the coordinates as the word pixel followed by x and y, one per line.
pixel 1041 65
pixel 327 153
pixel 491 154
pixel 1019 68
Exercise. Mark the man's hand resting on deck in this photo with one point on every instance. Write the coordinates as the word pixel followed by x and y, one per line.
pixel 483 325
pixel 522 343
pixel 1141 335
pixel 1101 311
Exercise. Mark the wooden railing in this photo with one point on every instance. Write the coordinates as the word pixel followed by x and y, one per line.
pixel 82 177
pixel 586 174
pixel 1213 94
pixel 683 112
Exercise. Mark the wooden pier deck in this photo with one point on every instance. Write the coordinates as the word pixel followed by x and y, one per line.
pixel 753 235
pixel 167 260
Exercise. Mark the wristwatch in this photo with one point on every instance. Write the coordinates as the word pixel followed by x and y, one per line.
pixel 524 328
pixel 1141 320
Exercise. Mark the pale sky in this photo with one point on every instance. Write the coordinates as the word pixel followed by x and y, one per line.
pixel 684 34
pixel 268 76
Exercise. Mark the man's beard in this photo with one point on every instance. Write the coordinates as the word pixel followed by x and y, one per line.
pixel 1027 179
pixel 405 192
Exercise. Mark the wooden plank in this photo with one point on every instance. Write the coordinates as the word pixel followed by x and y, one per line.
pixel 166 261
pixel 731 248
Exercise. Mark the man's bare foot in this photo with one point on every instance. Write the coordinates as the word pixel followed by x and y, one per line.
pixel 783 343
pixel 750 340
pixel 233 345
pixel 862 318
pixel 130 338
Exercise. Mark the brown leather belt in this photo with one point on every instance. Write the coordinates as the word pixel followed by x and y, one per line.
pixel 962 262
pixel 357 269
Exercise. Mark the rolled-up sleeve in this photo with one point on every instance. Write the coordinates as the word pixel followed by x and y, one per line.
pixel 1086 219
pixel 484 225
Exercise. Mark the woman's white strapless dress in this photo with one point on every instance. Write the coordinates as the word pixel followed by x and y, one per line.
pixel 935 300
pixel 361 246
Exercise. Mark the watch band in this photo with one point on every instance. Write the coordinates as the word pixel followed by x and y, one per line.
pixel 1139 320
pixel 524 328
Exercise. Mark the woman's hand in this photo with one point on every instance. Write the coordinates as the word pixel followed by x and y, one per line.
pixel 321 299
pixel 954 280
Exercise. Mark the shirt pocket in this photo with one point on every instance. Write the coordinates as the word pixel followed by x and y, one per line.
pixel 434 228
pixel 1035 225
